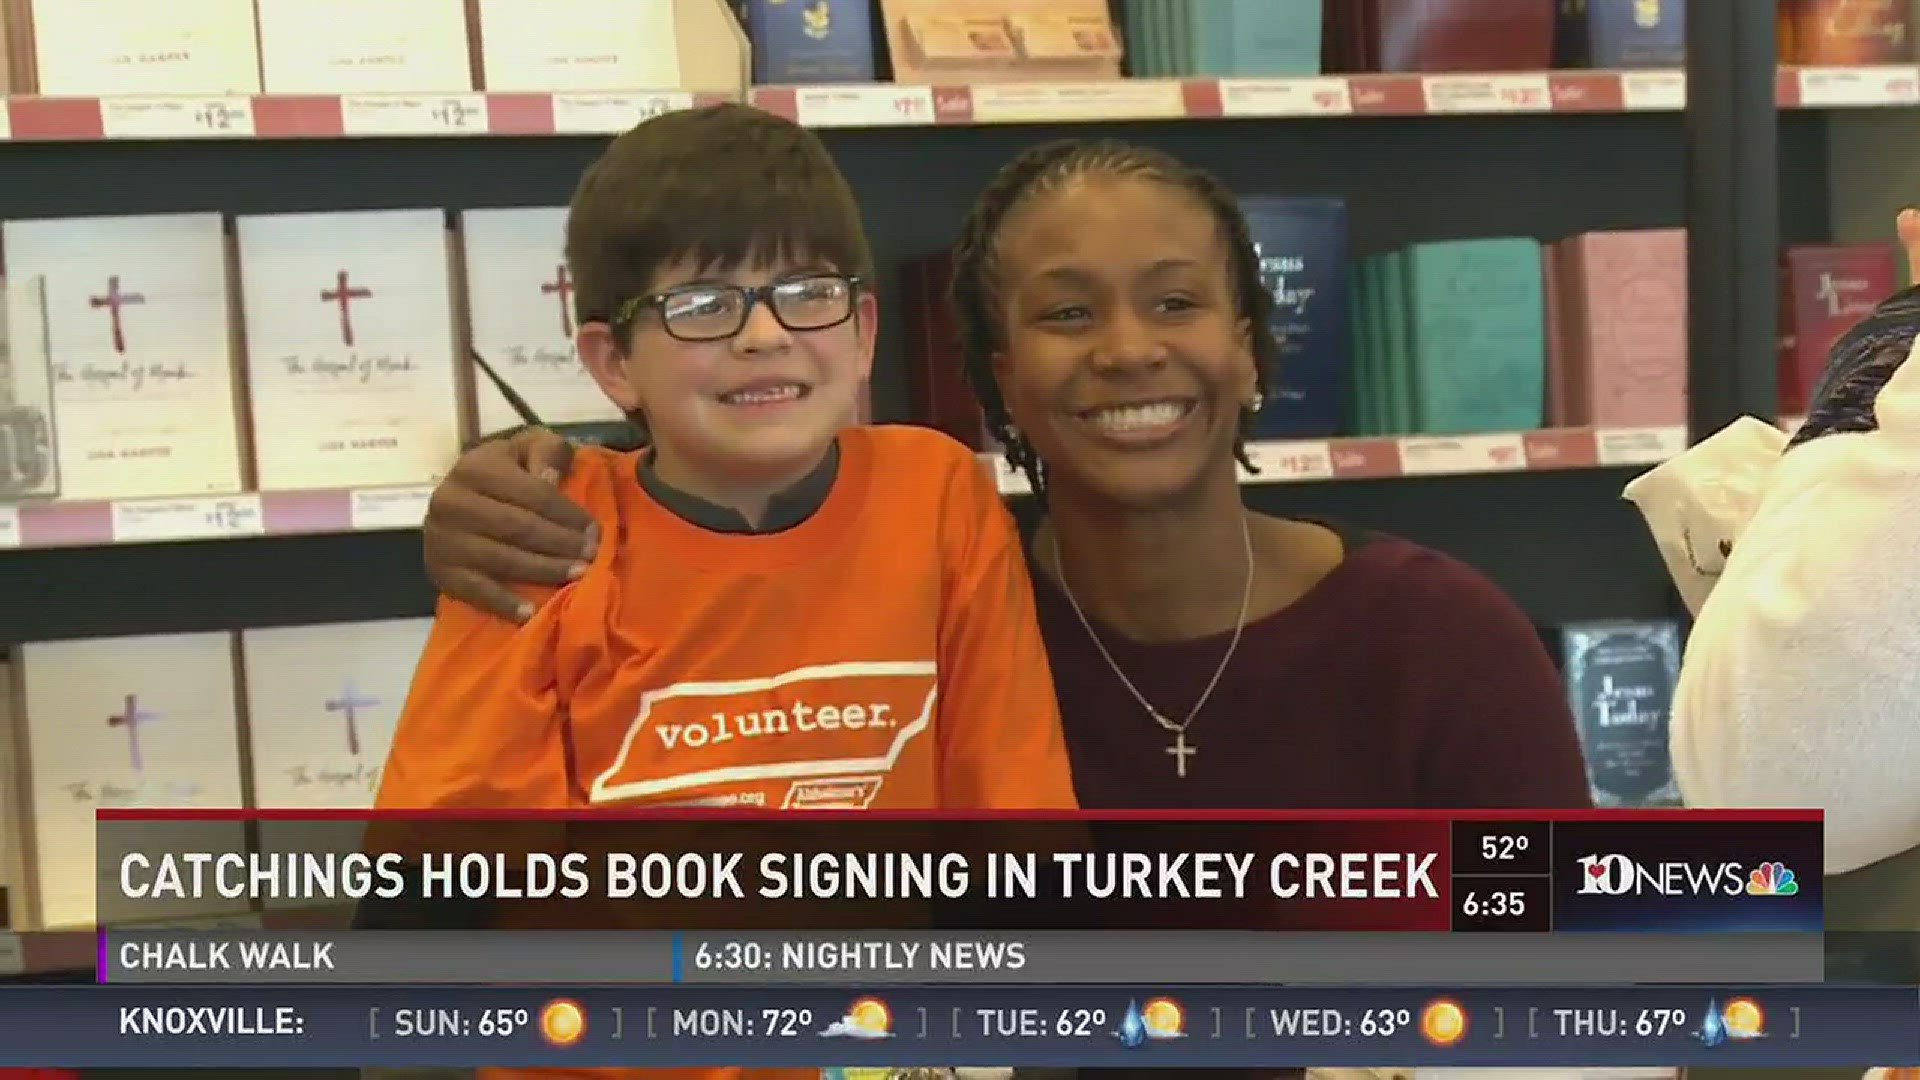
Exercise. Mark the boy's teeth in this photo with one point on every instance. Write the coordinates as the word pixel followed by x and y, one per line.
pixel 764 395
pixel 1136 417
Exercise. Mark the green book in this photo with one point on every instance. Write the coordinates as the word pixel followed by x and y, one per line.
pixel 1358 310
pixel 1397 364
pixel 1476 311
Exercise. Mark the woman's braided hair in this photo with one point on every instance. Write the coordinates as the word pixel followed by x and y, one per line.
pixel 1043 168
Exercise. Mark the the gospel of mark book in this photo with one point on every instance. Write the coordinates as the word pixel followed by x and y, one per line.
pixel 133 47
pixel 520 309
pixel 364 46
pixel 322 702
pixel 116 722
pixel 139 331
pixel 350 348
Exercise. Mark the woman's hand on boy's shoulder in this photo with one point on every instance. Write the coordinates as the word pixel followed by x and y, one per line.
pixel 499 519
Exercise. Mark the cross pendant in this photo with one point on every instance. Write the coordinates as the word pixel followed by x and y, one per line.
pixel 1180 752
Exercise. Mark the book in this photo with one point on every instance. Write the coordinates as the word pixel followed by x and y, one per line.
pixel 364 46
pixel 13 913
pixel 556 45
pixel 1455 35
pixel 321 705
pixel 1476 320
pixel 139 318
pixel 1843 32
pixel 1827 288
pixel 1620 681
pixel 1622 34
pixel 1302 245
pixel 936 370
pixel 981 41
pixel 132 47
pixel 1252 38
pixel 147 721
pixel 1622 314
pixel 350 348
pixel 29 466
pixel 519 302
pixel 811 41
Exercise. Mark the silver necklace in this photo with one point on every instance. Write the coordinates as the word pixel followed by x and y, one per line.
pixel 1181 749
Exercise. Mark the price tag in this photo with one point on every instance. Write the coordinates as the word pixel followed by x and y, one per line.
pixel 390 508
pixel 1839 87
pixel 1462 454
pixel 1488 93
pixel 177 118
pixel 408 114
pixel 1653 91
pixel 207 518
pixel 10 527
pixel 13 954
pixel 1290 460
pixel 1640 446
pixel 609 114
pixel 1285 97
pixel 882 105
pixel 6 120
pixel 1115 99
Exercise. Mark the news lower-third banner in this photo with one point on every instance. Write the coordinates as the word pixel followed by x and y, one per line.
pixel 1671 872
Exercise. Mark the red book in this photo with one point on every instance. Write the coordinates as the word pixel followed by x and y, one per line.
pixel 1846 31
pixel 1827 288
pixel 936 373
pixel 1461 35
pixel 1623 295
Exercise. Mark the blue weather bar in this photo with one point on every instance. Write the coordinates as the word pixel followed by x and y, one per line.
pixel 1144 1026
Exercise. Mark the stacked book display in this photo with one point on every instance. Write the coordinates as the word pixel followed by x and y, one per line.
pixel 294 718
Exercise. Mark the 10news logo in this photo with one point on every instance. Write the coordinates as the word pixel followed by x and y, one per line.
pixel 1618 875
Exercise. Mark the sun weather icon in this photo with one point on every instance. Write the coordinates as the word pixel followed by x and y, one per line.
pixel 1772 879
pixel 866 1018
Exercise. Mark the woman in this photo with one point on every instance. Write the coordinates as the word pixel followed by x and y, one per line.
pixel 1114 329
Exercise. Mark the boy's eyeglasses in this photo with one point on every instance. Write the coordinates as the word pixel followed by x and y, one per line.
pixel 713 312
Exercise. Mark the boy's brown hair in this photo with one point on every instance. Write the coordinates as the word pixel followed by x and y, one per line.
pixel 724 185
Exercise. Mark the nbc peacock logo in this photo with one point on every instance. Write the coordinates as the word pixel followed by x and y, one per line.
pixel 1772 879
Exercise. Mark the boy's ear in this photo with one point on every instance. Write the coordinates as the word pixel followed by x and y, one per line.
pixel 606 361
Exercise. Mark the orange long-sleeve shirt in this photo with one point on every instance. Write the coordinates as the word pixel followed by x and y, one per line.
pixel 881 654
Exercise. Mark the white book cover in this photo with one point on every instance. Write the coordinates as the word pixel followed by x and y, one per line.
pixel 11 907
pixel 108 48
pixel 322 702
pixel 140 335
pixel 551 45
pixel 125 722
pixel 520 307
pixel 364 46
pixel 350 348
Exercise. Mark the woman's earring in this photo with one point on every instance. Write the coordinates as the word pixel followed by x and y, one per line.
pixel 1254 402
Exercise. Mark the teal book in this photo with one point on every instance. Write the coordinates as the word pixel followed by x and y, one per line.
pixel 1373 394
pixel 1181 16
pixel 1397 369
pixel 1272 38
pixel 1359 308
pixel 1476 312
pixel 1133 18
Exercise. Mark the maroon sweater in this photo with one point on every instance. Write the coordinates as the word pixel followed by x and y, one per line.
pixel 1403 679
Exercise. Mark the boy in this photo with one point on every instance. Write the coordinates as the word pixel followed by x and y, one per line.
pixel 783 611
